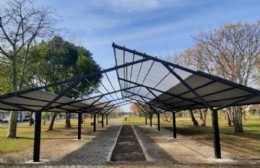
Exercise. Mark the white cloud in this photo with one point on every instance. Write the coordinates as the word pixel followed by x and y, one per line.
pixel 101 22
pixel 134 5
pixel 145 34
pixel 138 5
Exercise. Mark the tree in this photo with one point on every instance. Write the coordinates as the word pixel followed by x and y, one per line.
pixel 203 116
pixel 5 82
pixel 59 60
pixel 167 117
pixel 193 119
pixel 137 109
pixel 230 52
pixel 20 26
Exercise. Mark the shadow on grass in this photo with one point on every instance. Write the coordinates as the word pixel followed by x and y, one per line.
pixel 24 138
pixel 224 131
pixel 240 142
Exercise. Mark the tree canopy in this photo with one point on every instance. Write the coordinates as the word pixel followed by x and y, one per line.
pixel 59 60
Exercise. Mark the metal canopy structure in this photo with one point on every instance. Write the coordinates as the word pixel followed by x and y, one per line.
pixel 156 85
pixel 100 99
pixel 37 100
pixel 164 86
pixel 170 87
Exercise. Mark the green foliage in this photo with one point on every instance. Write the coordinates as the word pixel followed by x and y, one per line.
pixel 5 78
pixel 59 60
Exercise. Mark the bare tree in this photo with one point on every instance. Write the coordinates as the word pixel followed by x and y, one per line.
pixel 137 109
pixel 20 26
pixel 193 119
pixel 167 117
pixel 203 116
pixel 230 52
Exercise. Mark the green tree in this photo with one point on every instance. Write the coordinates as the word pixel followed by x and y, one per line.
pixel 5 79
pixel 59 60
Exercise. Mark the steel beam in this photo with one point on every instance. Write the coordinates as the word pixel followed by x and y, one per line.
pixel 106 119
pixel 215 127
pixel 187 86
pixel 151 119
pixel 79 125
pixel 94 122
pixel 37 137
pixel 158 123
pixel 102 118
pixel 174 125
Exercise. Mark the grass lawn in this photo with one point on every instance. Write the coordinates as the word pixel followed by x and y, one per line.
pixel 25 135
pixel 249 140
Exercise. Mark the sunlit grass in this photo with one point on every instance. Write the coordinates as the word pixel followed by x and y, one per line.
pixel 250 139
pixel 25 134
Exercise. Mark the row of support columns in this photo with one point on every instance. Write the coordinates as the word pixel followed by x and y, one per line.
pixel 215 126
pixel 102 120
pixel 37 132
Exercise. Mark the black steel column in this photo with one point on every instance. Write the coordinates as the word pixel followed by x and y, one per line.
pixel 37 137
pixel 106 119
pixel 145 119
pixel 79 125
pixel 159 124
pixel 151 119
pixel 102 117
pixel 174 124
pixel 215 126
pixel 95 122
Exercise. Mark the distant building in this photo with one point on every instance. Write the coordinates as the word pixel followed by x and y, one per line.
pixel 4 115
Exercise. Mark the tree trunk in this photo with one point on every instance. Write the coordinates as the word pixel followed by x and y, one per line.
pixel 237 119
pixel 12 127
pixel 244 113
pixel 52 121
pixel 31 119
pixel 67 121
pixel 203 116
pixel 229 118
pixel 195 122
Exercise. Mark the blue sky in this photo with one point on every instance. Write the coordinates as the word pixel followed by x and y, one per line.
pixel 157 27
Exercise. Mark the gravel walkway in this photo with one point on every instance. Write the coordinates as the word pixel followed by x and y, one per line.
pixel 95 152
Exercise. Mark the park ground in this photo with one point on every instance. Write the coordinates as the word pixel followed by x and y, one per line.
pixel 192 148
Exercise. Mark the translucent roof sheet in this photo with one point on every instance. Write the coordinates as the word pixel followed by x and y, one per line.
pixel 170 87
pixel 105 98
pixel 37 100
